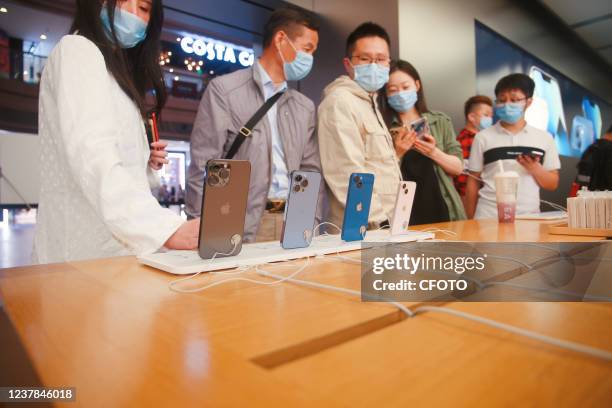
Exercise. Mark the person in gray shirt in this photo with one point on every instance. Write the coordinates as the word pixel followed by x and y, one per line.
pixel 285 138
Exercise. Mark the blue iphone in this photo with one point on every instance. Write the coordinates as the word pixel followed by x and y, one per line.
pixel 357 209
pixel 301 209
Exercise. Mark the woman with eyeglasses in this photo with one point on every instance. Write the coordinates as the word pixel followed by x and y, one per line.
pixel 95 199
pixel 425 144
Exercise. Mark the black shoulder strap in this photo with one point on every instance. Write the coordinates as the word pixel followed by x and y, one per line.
pixel 247 129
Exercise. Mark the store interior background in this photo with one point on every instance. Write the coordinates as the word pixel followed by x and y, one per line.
pixel 436 36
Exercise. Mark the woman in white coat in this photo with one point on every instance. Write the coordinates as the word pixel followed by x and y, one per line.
pixel 95 198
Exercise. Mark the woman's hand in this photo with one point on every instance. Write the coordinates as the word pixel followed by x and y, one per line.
pixel 186 236
pixel 452 165
pixel 426 146
pixel 158 155
pixel 403 141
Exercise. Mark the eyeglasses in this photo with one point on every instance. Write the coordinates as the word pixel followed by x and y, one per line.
pixel 512 100
pixel 365 59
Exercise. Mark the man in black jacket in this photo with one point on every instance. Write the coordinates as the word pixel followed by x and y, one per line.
pixel 595 166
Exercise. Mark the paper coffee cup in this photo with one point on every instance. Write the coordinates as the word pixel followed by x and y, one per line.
pixel 506 188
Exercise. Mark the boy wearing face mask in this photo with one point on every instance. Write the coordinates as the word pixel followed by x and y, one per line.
pixel 352 133
pixel 284 140
pixel 478 111
pixel 531 152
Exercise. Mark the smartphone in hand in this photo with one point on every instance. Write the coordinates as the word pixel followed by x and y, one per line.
pixel 420 127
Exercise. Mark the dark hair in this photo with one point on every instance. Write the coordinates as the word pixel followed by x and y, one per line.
pixel 421 105
pixel 365 30
pixel 521 82
pixel 609 129
pixel 471 103
pixel 137 69
pixel 288 19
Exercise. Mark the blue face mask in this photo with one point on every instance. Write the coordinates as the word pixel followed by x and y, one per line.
pixel 403 101
pixel 129 28
pixel 371 77
pixel 485 122
pixel 299 67
pixel 510 112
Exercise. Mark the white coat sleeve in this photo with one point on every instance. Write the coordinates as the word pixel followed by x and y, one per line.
pixel 153 178
pixel 118 192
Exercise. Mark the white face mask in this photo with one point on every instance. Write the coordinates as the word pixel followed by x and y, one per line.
pixel 371 77
pixel 298 68
pixel 130 29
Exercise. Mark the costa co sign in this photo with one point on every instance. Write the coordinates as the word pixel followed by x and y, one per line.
pixel 218 50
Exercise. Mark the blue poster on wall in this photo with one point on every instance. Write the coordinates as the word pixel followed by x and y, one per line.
pixel 574 116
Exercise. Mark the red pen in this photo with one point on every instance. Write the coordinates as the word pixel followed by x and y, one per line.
pixel 154 127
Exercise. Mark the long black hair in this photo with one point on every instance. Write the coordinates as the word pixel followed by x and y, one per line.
pixel 409 69
pixel 136 69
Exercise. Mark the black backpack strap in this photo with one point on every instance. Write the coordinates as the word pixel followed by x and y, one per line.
pixel 247 129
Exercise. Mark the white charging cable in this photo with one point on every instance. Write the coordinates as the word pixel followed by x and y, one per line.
pixel 554 205
pixel 569 345
pixel 249 280
pixel 443 231
pixel 592 298
pixel 236 240
pixel 314 230
pixel 483 285
pixel 566 344
pixel 346 258
pixel 505 258
pixel 318 285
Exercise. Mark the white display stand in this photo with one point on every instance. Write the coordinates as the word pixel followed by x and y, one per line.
pixel 543 216
pixel 188 262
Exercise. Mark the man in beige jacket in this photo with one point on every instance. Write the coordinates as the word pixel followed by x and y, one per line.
pixel 352 134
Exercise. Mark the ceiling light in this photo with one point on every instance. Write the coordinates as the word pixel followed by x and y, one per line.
pixel 171 70
pixel 176 78
pixel 3 10
pixel 212 72
pixel 43 37
pixel 170 53
pixel 178 39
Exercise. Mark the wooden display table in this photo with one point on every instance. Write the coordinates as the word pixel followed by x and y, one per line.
pixel 113 329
